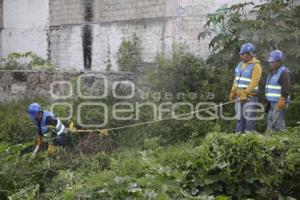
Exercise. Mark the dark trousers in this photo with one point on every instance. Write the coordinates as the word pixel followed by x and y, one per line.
pixel 59 140
pixel 245 115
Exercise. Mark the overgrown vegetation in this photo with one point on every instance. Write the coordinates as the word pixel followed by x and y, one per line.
pixel 24 61
pixel 271 25
pixel 223 166
pixel 13 130
pixel 170 159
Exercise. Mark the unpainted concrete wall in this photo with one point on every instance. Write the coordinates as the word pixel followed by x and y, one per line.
pixel 25 26
pixel 86 34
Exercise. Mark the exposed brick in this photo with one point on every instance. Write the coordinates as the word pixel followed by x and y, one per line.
pixel 72 11
pixel 66 12
pixel 1 14
pixel 158 23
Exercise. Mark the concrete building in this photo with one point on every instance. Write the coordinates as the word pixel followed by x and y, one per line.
pixel 25 24
pixel 86 34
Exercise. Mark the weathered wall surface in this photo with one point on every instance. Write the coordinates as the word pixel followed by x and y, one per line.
pixel 190 21
pixel 64 12
pixel 297 2
pixel 121 10
pixel 67 43
pixel 86 34
pixel 25 26
pixel 16 85
pixel 89 37
pixel 1 14
pixel 1 25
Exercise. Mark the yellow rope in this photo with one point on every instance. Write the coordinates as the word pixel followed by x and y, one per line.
pixel 104 132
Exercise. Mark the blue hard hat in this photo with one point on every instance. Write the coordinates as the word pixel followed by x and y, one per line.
pixel 276 55
pixel 247 47
pixel 34 109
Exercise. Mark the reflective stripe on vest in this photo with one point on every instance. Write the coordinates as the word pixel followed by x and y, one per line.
pixel 273 88
pixel 59 127
pixel 45 129
pixel 243 76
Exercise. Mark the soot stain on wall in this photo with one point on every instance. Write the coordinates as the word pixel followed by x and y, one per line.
pixel 87 34
pixel 87 46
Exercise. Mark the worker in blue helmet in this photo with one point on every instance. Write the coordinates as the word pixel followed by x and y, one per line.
pixel 43 121
pixel 244 90
pixel 277 91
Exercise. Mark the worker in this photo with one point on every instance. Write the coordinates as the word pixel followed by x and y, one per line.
pixel 245 88
pixel 277 91
pixel 43 121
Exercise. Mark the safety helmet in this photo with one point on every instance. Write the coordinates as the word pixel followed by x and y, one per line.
pixel 247 48
pixel 34 109
pixel 276 55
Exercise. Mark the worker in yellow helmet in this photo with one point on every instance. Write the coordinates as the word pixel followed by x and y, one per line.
pixel 245 88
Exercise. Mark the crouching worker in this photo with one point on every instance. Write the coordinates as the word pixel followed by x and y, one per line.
pixel 43 121
pixel 277 91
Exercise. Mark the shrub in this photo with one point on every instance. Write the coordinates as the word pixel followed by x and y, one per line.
pixel 223 166
pixel 24 61
pixel 129 54
pixel 245 166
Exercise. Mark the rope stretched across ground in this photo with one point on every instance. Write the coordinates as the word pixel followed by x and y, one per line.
pixel 72 129
pixel 104 132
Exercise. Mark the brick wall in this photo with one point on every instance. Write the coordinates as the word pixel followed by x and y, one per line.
pixel 120 10
pixel 98 27
pixel 65 12
pixel 1 14
pixel 1 25
pixel 189 21
pixel 67 48
pixel 78 11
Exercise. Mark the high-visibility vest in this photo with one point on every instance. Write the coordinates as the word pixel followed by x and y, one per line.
pixel 273 88
pixel 59 128
pixel 243 76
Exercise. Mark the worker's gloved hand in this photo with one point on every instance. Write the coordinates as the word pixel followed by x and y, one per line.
pixel 40 140
pixel 243 95
pixel 281 104
pixel 232 95
pixel 51 149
